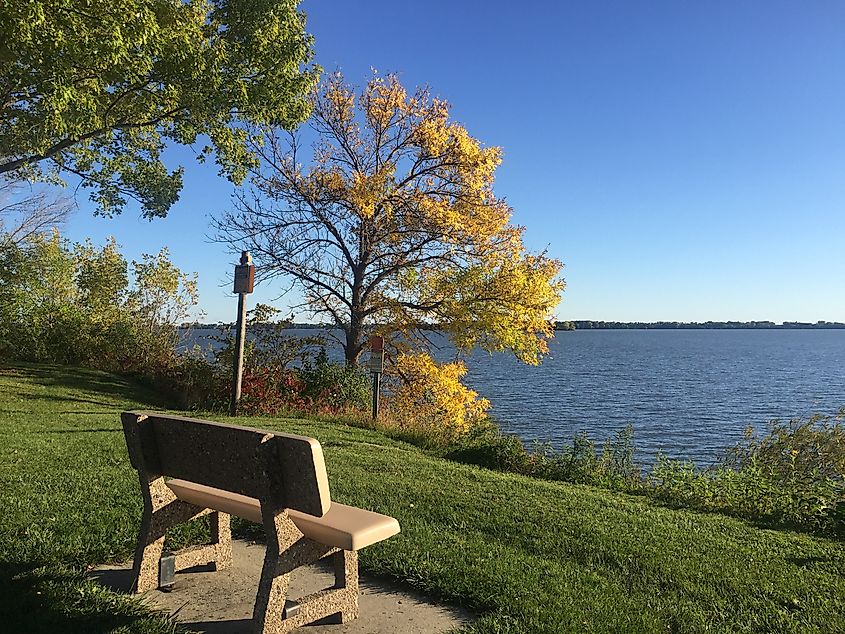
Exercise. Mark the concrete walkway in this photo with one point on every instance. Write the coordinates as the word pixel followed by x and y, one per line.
pixel 221 602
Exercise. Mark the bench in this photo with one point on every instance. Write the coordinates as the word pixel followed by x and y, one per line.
pixel 189 468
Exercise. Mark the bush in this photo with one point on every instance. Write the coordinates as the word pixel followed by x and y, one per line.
pixel 793 476
pixel 429 398
pixel 74 304
pixel 580 462
pixel 614 467
pixel 333 388
pixel 270 386
pixel 484 445
pixel 271 391
pixel 194 383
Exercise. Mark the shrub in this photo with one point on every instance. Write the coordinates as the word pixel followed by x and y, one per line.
pixel 196 383
pixel 272 390
pixel 268 344
pixel 794 475
pixel 429 397
pixel 74 304
pixel 271 386
pixel 334 388
pixel 613 467
pixel 484 445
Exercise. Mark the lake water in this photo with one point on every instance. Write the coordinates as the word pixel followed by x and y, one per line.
pixel 688 393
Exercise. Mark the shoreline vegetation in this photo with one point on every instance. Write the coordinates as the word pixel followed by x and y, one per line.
pixel 695 325
pixel 75 305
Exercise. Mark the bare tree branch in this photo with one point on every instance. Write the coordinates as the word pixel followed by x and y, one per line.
pixel 26 211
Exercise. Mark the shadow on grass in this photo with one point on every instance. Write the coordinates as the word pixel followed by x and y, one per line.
pixel 102 412
pixel 117 579
pixel 49 598
pixel 87 380
pixel 808 562
pixel 79 431
pixel 55 398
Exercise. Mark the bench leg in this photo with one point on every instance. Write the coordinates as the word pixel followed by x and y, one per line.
pixel 287 550
pixel 145 566
pixel 221 537
pixel 162 510
pixel 346 576
pixel 147 557
pixel 268 614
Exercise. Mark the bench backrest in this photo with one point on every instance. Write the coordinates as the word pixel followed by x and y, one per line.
pixel 285 470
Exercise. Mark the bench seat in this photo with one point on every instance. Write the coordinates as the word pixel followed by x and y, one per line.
pixel 344 527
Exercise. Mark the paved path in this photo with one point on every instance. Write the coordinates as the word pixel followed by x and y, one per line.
pixel 221 602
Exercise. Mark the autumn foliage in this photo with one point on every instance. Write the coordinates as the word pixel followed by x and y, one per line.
pixel 394 222
pixel 390 223
pixel 431 397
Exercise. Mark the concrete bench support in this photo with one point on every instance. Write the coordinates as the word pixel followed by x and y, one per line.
pixel 189 468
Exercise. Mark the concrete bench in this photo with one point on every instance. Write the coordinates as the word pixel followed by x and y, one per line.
pixel 189 468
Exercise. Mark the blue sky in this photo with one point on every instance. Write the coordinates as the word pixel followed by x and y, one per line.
pixel 686 161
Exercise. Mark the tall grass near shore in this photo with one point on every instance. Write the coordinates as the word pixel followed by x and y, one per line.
pixel 792 476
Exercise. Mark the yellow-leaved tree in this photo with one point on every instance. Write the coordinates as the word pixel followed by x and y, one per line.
pixel 389 223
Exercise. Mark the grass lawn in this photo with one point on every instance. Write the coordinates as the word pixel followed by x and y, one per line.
pixel 529 556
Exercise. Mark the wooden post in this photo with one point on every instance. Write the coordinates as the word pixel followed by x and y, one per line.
pixel 244 281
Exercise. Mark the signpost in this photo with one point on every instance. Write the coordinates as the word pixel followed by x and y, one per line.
pixel 376 367
pixel 244 281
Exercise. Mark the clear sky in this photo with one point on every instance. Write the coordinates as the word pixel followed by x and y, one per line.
pixel 685 160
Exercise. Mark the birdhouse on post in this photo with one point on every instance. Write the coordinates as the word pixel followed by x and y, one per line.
pixel 244 274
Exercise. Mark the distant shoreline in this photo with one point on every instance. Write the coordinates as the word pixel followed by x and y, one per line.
pixel 621 325
pixel 705 325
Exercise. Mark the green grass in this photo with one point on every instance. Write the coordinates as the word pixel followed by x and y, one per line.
pixel 529 556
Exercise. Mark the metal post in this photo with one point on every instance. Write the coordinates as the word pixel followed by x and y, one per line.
pixel 376 367
pixel 376 389
pixel 244 281
pixel 238 365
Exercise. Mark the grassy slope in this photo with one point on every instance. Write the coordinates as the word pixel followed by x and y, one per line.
pixel 531 556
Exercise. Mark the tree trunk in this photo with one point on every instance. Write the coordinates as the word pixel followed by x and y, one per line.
pixel 354 346
pixel 355 332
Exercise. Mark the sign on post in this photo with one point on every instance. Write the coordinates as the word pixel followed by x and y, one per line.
pixel 377 355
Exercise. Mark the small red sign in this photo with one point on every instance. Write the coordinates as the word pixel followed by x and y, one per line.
pixel 377 344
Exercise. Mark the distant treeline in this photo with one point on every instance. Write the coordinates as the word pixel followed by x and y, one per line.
pixel 695 325
pixel 623 325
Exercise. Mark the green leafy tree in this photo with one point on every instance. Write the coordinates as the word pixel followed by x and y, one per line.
pixel 97 88
pixel 76 303
pixel 38 296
